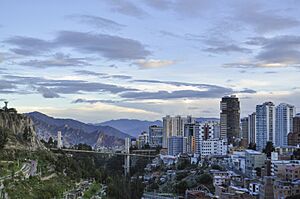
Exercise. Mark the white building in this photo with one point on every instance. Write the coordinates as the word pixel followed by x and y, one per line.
pixel 265 124
pixel 238 160
pixel 254 188
pixel 212 147
pixel 284 123
pixel 143 140
pixel 209 130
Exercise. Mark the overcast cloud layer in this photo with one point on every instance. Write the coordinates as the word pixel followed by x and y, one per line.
pixel 144 59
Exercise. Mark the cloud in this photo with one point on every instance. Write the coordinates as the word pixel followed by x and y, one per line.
pixel 29 46
pixel 159 4
pixel 108 46
pixel 261 20
pixel 47 93
pixel 58 60
pixel 228 49
pixel 247 90
pixel 91 73
pixel 97 22
pixel 126 7
pixel 7 86
pixel 50 88
pixel 187 8
pixel 102 75
pixel 153 63
pixel 80 100
pixel 210 93
pixel 275 52
pixel 204 91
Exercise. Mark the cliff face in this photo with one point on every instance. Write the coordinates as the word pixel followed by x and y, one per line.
pixel 21 132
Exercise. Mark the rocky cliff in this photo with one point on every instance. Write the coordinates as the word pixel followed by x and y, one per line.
pixel 20 131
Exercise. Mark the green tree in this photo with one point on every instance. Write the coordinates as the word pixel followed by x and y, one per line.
pixel 269 149
pixel 252 146
pixel 205 179
pixel 181 187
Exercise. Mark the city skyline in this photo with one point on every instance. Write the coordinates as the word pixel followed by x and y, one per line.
pixel 127 59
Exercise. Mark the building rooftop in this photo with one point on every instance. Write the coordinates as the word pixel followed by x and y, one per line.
pixel 253 152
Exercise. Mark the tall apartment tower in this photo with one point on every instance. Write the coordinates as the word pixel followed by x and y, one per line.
pixel 155 136
pixel 284 123
pixel 191 132
pixel 245 130
pixel 230 118
pixel 167 130
pixel 294 137
pixel 174 126
pixel 265 124
pixel 252 128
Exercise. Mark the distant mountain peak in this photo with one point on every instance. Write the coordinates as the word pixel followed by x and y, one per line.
pixel 76 131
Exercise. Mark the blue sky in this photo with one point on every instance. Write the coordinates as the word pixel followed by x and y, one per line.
pixel 99 60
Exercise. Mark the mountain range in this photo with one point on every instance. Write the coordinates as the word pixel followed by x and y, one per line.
pixel 109 133
pixel 132 127
pixel 75 132
pixel 135 127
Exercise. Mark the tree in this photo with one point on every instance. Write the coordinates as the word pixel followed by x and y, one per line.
pixel 181 187
pixel 269 149
pixel 252 146
pixel 205 179
pixel 3 137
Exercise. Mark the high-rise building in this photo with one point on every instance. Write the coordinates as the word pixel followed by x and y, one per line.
pixel 155 136
pixel 143 140
pixel 284 123
pixel 245 130
pixel 207 130
pixel 191 130
pixel 230 118
pixel 252 128
pixel 174 126
pixel 265 124
pixel 294 137
pixel 216 126
pixel 176 145
pixel 167 130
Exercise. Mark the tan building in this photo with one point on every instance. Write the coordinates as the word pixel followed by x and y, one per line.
pixel 283 189
pixel 292 172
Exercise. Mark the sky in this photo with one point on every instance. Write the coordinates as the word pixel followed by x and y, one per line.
pixel 99 60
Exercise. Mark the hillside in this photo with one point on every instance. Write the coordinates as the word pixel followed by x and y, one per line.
pixel 75 132
pixel 19 130
pixel 131 126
